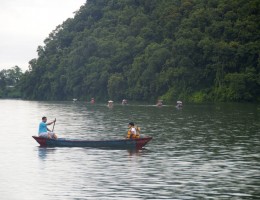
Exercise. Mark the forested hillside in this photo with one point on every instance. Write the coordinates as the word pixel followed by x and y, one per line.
pixel 192 50
pixel 9 82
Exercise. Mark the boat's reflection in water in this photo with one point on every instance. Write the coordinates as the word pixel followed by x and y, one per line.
pixel 43 152
pixel 138 152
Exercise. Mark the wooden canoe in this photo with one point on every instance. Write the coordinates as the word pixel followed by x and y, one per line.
pixel 111 144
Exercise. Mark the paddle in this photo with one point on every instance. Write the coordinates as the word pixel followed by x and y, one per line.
pixel 53 125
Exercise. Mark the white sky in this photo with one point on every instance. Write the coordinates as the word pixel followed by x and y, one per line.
pixel 25 24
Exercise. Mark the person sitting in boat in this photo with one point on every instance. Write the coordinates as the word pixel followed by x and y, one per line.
pixel 159 103
pixel 179 105
pixel 110 104
pixel 92 101
pixel 44 131
pixel 133 132
pixel 124 102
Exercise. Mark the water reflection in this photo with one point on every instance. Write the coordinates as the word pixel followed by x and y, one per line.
pixel 43 152
pixel 139 152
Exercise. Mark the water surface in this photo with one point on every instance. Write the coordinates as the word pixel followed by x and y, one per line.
pixel 200 152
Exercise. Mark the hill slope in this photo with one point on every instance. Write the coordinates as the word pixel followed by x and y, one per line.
pixel 195 50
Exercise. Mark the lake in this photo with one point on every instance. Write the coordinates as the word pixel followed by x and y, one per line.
pixel 203 151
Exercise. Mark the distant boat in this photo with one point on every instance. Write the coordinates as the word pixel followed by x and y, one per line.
pixel 137 143
pixel 74 100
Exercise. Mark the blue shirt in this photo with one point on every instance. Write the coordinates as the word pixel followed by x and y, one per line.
pixel 43 127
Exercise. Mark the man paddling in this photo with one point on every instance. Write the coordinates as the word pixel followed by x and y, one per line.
pixel 44 131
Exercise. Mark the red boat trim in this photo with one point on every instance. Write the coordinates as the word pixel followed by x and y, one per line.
pixel 40 140
pixel 141 142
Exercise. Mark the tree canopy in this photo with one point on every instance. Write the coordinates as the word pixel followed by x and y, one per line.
pixel 9 82
pixel 194 50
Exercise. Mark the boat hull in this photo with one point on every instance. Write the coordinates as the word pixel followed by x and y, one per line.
pixel 112 144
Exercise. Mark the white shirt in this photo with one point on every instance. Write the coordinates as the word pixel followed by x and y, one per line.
pixel 133 130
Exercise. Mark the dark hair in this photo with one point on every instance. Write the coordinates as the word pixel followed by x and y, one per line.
pixel 131 123
pixel 44 118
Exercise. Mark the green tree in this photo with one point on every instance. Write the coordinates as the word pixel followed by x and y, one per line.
pixel 116 87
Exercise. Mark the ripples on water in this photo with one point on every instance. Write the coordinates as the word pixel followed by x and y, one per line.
pixel 199 152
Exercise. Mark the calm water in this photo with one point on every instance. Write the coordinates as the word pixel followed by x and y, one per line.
pixel 199 152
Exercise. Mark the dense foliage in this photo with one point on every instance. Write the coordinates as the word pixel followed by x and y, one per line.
pixel 193 50
pixel 9 82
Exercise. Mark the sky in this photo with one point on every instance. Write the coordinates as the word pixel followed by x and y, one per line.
pixel 25 24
